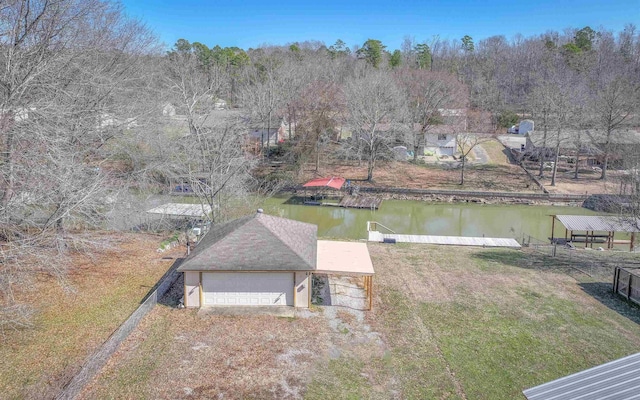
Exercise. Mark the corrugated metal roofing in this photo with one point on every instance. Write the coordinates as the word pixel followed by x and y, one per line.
pixel 333 182
pixel 616 380
pixel 598 223
pixel 182 210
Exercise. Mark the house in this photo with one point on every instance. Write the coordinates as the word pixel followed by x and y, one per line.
pixel 273 135
pixel 440 140
pixel 522 128
pixel 259 260
pixel 264 135
pixel 169 110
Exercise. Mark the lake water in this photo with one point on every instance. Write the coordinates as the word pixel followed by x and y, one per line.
pixel 418 217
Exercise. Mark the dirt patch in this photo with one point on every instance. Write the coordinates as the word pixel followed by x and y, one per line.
pixel 235 357
pixel 406 175
pixel 586 184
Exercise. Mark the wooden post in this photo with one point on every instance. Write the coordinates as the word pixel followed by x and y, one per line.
pixel 629 286
pixel 200 288
pixel 633 238
pixel 553 225
pixel 295 296
pixel 310 283
pixel 184 288
pixel 586 239
pixel 370 293
pixel 616 276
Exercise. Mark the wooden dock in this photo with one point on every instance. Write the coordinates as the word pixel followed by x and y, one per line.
pixel 375 236
pixel 360 202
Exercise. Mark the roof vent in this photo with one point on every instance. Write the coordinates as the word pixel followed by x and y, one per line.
pixel 260 210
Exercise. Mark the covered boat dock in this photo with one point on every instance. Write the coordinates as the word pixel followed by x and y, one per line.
pixel 590 229
pixel 319 186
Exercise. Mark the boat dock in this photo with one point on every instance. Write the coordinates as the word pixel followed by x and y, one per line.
pixel 376 236
pixel 348 201
pixel 360 202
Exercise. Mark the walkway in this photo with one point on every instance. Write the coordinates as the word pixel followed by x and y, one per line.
pixel 375 236
pixel 480 154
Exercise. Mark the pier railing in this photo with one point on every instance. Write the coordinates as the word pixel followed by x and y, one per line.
pixel 373 226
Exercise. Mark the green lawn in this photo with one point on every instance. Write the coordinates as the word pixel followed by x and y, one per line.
pixel 483 324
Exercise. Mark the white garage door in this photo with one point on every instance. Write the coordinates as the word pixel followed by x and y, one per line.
pixel 247 288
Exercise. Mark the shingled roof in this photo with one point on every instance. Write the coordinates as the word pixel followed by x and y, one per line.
pixel 258 242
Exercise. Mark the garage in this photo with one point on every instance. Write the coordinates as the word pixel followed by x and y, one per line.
pixel 247 289
pixel 256 261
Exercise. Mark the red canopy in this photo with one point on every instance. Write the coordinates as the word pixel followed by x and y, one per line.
pixel 333 182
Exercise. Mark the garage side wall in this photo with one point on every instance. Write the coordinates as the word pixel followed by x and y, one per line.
pixel 302 289
pixel 192 289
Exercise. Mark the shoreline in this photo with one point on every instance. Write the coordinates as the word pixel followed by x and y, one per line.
pixel 455 196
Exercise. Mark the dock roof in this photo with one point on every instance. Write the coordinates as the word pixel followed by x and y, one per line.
pixel 604 223
pixel 182 210
pixel 332 182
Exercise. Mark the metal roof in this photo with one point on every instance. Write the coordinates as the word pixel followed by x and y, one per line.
pixel 182 210
pixel 599 223
pixel 618 379
pixel 333 182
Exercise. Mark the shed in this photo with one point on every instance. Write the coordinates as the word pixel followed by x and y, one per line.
pixel 259 260
pixel 618 379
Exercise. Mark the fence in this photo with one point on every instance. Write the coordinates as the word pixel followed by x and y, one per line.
pixel 626 283
pixel 95 362
pixel 599 265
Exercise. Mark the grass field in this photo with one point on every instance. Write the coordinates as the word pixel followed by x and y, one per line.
pixel 496 152
pixel 71 324
pixel 448 322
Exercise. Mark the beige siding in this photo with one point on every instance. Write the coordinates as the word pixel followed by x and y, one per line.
pixel 192 289
pixel 302 289
pixel 248 288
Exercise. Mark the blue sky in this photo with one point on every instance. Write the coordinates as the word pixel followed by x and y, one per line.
pixel 251 23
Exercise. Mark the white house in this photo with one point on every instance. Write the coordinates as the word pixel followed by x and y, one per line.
pixel 440 140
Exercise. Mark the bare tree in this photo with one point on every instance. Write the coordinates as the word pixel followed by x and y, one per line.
pixel 211 156
pixel 427 94
pixel 614 102
pixel 374 108
pixel 71 71
pixel 320 107
pixel 263 96
pixel 465 143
